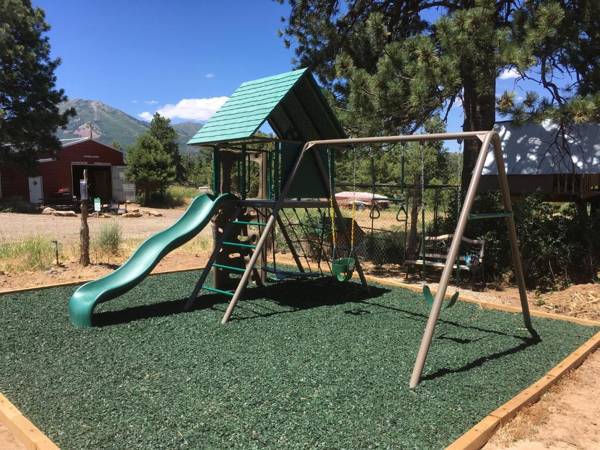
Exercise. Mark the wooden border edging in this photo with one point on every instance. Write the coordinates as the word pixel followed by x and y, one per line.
pixel 22 428
pixel 480 434
pixel 465 297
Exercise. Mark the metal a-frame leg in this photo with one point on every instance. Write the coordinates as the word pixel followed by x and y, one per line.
pixel 455 247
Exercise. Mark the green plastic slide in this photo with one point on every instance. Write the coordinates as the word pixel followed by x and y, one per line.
pixel 144 259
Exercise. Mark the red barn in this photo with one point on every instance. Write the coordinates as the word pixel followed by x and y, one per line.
pixel 59 176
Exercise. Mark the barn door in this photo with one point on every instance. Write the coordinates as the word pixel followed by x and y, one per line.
pixel 36 190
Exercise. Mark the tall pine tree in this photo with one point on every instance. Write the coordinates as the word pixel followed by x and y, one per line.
pixel 29 112
pixel 161 130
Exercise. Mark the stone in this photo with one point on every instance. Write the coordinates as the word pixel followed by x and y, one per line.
pixel 64 214
pixel 132 214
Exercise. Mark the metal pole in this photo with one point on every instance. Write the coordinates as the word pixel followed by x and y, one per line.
pixel 512 234
pixel 448 267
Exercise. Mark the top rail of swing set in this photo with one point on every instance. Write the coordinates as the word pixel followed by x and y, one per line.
pixel 487 139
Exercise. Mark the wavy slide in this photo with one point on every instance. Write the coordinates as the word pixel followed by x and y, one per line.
pixel 144 259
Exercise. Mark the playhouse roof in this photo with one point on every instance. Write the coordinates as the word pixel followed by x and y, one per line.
pixel 291 102
pixel 534 149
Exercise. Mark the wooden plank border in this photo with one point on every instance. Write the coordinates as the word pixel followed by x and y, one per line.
pixel 480 434
pixel 465 297
pixel 22 428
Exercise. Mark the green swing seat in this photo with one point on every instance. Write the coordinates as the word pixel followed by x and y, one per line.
pixel 342 268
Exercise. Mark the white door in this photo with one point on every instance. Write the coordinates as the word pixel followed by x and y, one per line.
pixel 36 191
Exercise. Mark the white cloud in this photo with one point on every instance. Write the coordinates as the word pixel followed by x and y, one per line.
pixel 151 102
pixel 209 75
pixel 196 109
pixel 509 74
pixel 147 116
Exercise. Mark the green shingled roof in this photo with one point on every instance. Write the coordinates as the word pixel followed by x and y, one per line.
pixel 291 102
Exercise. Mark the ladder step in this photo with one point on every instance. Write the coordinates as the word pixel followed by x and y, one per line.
pixel 490 215
pixel 244 222
pixel 218 291
pixel 238 244
pixel 232 268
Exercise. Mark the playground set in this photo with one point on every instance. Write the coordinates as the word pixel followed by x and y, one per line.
pixel 316 354
pixel 268 185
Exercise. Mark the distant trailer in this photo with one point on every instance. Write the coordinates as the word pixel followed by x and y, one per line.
pixel 362 199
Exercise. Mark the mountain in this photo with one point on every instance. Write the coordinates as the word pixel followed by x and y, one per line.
pixel 186 131
pixel 110 125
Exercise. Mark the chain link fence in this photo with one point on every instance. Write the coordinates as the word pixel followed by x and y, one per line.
pixel 388 226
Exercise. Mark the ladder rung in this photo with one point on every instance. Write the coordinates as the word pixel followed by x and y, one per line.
pixel 232 268
pixel 218 291
pixel 239 244
pixel 244 222
pixel 490 215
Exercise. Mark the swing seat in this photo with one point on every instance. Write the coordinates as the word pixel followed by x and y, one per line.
pixel 342 268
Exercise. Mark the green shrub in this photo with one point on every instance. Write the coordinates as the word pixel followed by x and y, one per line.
pixel 110 238
pixel 552 241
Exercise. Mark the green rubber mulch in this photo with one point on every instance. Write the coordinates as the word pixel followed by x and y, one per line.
pixel 303 365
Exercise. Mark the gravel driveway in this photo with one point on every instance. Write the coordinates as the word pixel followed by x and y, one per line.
pixel 15 226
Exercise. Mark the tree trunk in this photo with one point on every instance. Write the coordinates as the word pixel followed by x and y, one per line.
pixel 84 236
pixel 479 103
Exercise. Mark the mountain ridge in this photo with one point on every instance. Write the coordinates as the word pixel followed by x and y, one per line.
pixel 111 126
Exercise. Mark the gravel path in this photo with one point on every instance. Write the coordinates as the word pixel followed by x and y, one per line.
pixel 66 229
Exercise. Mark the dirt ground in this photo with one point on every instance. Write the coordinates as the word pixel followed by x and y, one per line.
pixel 568 416
pixel 66 229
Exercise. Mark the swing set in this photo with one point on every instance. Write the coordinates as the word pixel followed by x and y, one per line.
pixel 296 171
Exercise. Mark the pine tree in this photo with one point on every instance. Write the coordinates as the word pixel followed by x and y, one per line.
pixel 29 113
pixel 161 129
pixel 391 67
pixel 149 166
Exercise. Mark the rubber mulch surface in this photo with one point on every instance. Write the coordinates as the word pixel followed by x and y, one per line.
pixel 302 365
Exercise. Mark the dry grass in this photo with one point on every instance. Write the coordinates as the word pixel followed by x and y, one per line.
pixel 578 301
pixel 30 254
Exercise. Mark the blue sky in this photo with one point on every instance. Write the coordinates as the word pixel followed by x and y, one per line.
pixel 181 58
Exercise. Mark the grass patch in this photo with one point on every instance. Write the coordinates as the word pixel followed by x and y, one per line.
pixel 303 365
pixel 32 253
pixel 182 195
pixel 175 196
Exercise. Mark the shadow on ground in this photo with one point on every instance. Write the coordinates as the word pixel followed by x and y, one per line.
pixel 289 297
